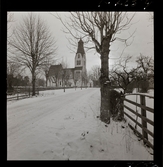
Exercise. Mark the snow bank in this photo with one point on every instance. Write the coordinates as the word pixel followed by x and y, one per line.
pixel 66 126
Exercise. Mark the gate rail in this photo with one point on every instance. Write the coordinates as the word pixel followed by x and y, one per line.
pixel 144 119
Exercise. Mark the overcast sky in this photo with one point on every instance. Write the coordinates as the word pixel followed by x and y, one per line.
pixel 142 43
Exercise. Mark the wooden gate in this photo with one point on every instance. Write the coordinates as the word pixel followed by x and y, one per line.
pixel 143 134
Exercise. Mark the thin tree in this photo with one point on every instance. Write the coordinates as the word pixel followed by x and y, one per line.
pixel 76 78
pixel 94 74
pixel 84 78
pixel 99 29
pixel 45 67
pixel 31 44
pixel 66 73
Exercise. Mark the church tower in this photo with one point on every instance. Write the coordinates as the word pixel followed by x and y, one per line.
pixel 80 59
pixel 80 64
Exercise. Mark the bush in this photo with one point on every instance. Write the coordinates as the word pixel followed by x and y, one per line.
pixel 10 91
pixel 115 105
pixel 144 86
pixel 114 97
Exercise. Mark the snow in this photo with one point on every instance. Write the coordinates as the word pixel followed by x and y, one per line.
pixel 59 125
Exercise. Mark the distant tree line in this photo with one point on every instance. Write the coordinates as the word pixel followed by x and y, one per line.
pixel 19 80
pixel 16 81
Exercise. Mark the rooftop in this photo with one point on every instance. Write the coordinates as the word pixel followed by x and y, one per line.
pixel 54 69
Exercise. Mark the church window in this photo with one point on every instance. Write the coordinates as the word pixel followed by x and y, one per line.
pixel 78 62
pixel 78 55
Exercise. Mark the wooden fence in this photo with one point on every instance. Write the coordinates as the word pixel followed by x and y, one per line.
pixel 22 93
pixel 25 92
pixel 143 116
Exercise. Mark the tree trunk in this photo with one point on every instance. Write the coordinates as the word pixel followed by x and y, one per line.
pixel 64 85
pixel 104 82
pixel 124 91
pixel 46 80
pixel 33 84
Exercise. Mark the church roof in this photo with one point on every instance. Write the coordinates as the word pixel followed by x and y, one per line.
pixel 80 47
pixel 78 68
pixel 71 69
pixel 54 69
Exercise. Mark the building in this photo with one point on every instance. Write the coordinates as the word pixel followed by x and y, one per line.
pixel 55 76
pixel 77 76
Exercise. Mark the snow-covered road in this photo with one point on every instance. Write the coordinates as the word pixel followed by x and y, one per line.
pixel 62 126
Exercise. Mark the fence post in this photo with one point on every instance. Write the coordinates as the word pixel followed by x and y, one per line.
pixel 143 113
pixel 17 95
pixel 122 106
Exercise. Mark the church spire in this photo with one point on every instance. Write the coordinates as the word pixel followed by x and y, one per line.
pixel 80 47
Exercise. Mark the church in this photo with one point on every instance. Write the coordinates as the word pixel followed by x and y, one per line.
pixel 70 77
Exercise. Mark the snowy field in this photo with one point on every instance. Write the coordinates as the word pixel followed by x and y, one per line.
pixel 66 126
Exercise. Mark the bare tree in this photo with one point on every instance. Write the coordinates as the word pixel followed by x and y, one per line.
pixel 95 72
pixel 84 78
pixel 65 76
pixel 66 73
pixel 76 78
pixel 122 75
pixel 99 29
pixel 145 64
pixel 145 70
pixel 139 76
pixel 32 43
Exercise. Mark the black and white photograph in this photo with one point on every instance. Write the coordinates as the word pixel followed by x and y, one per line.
pixel 80 85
